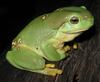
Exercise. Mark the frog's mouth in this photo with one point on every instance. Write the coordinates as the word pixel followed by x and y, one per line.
pixel 68 36
pixel 76 32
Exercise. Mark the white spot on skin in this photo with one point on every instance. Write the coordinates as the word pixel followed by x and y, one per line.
pixel 13 43
pixel 19 40
pixel 66 17
pixel 59 9
pixel 44 17
pixel 85 17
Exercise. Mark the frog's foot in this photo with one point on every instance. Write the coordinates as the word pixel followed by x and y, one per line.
pixel 64 49
pixel 52 71
pixel 75 45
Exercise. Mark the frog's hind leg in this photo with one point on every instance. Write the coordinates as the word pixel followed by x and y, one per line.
pixel 28 60
pixel 25 59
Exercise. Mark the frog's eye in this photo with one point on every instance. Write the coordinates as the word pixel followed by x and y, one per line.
pixel 74 20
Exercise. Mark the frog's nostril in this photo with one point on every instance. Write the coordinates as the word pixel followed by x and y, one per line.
pixel 85 17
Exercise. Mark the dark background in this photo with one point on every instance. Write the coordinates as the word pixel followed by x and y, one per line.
pixel 83 65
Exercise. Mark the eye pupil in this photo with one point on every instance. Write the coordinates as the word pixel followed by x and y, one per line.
pixel 74 20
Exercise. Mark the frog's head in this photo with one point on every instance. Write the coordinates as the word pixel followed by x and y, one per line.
pixel 70 21
pixel 78 19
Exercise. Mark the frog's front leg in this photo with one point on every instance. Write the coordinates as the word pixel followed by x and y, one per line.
pixel 59 45
pixel 51 52
pixel 61 48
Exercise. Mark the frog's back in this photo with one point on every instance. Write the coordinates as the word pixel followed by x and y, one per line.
pixel 35 32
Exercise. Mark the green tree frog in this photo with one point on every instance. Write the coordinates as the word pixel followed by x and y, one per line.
pixel 44 37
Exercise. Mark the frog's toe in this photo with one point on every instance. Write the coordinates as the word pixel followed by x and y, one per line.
pixel 67 48
pixel 50 65
pixel 76 46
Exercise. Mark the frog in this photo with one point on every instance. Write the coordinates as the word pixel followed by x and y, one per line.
pixel 43 39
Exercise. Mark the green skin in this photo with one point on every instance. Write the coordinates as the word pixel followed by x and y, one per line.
pixel 44 37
